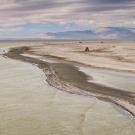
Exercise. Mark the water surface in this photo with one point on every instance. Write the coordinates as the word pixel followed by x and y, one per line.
pixel 116 79
pixel 29 106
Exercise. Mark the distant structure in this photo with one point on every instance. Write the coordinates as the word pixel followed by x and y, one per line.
pixel 101 42
pixel 80 42
pixel 87 49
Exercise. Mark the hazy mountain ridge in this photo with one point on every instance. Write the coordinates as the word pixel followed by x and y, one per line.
pixel 105 33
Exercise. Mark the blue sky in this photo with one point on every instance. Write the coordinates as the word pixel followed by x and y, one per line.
pixel 34 18
pixel 53 27
pixel 36 30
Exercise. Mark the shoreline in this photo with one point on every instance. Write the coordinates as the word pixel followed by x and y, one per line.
pixel 123 99
pixel 82 64
pixel 109 56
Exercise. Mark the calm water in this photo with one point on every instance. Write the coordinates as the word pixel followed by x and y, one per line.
pixel 29 106
pixel 120 80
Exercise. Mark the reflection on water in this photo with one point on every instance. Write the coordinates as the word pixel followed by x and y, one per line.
pixel 29 106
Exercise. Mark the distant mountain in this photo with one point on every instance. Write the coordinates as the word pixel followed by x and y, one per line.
pixel 117 33
pixel 104 33
pixel 86 34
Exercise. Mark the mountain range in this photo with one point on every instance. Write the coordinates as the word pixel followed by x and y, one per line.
pixel 103 33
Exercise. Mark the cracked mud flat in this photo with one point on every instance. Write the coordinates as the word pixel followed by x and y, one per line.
pixel 48 114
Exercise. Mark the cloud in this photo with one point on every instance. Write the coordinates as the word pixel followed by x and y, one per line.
pixel 108 1
pixel 92 13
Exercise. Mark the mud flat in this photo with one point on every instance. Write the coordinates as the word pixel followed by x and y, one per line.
pixel 46 110
pixel 66 77
pixel 113 55
pixel 29 106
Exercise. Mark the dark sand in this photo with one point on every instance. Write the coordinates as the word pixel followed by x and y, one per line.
pixel 67 77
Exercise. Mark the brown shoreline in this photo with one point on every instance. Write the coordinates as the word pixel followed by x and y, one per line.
pixel 62 81
pixel 82 64
pixel 111 56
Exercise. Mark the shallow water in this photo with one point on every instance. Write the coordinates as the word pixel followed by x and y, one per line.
pixel 29 106
pixel 13 43
pixel 120 80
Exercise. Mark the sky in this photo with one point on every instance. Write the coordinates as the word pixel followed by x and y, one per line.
pixel 34 18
